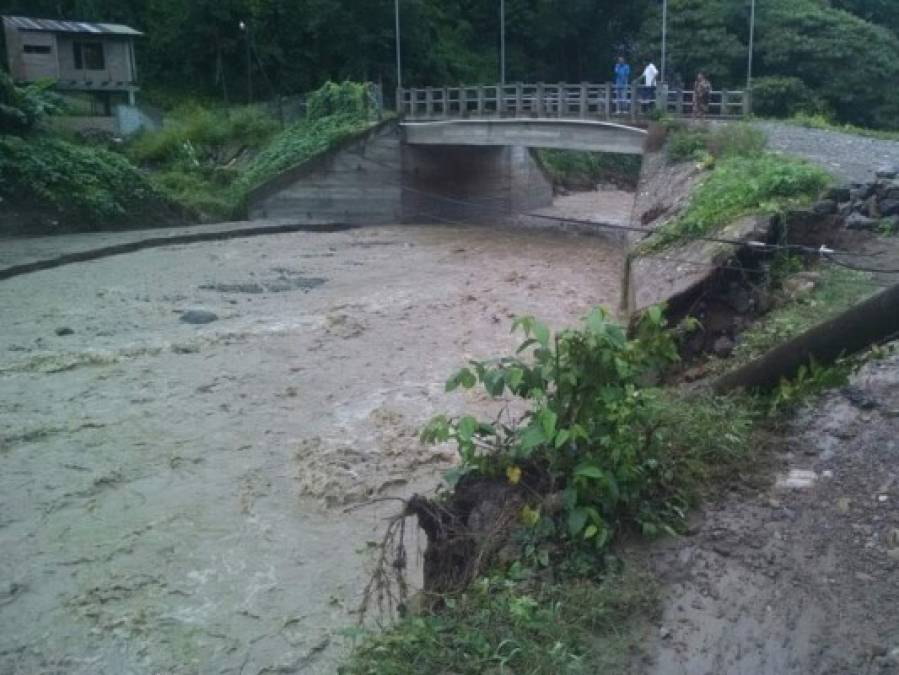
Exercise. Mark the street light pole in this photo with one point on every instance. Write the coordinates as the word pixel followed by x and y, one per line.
pixel 245 28
pixel 399 56
pixel 664 73
pixel 502 41
pixel 751 45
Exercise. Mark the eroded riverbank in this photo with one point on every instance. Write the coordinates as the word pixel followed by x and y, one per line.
pixel 171 494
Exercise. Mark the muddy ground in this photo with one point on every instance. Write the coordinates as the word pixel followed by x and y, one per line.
pixel 172 495
pixel 802 576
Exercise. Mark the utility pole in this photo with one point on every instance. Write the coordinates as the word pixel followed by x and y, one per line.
pixel 399 56
pixel 751 46
pixel 664 72
pixel 502 42
pixel 245 28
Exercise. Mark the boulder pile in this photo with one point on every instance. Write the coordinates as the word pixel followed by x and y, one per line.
pixel 865 206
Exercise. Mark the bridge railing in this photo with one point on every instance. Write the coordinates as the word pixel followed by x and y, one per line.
pixel 565 101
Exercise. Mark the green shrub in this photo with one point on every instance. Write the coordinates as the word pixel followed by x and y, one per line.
pixel 686 144
pixel 22 108
pixel 91 185
pixel 736 140
pixel 298 143
pixel 578 169
pixel 738 186
pixel 594 429
pixel 783 97
pixel 346 98
pixel 201 134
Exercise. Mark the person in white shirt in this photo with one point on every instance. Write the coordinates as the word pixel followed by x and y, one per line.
pixel 650 75
pixel 647 91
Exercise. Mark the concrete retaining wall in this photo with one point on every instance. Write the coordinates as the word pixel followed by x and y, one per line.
pixel 377 179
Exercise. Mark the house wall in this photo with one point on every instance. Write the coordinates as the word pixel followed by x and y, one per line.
pixel 116 56
pixel 30 67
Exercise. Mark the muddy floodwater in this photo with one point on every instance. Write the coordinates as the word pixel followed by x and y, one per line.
pixel 173 496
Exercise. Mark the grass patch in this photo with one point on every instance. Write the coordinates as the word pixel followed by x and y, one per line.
pixel 89 186
pixel 692 143
pixel 823 122
pixel 737 186
pixel 837 290
pixel 577 170
pixel 504 626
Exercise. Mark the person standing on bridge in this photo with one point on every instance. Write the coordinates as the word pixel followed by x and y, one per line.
pixel 647 91
pixel 702 92
pixel 622 82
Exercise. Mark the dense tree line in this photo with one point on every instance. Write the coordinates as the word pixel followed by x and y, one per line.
pixel 836 56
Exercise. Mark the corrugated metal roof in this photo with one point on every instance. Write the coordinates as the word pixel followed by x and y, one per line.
pixel 54 26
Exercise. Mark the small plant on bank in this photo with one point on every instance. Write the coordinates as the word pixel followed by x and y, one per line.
pixel 595 430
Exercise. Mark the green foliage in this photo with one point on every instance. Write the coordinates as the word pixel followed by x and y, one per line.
pixel 689 143
pixel 298 143
pixel 503 626
pixel 22 108
pixel 780 96
pixel 92 186
pixel 346 98
pixel 811 380
pixel 737 186
pixel 593 426
pixel 199 134
pixel 583 170
pixel 837 289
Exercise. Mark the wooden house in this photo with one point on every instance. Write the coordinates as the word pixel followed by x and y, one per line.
pixel 93 59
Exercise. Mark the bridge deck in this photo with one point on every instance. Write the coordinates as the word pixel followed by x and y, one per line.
pixel 562 101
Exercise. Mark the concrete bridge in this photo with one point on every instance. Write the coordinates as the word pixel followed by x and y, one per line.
pixel 591 135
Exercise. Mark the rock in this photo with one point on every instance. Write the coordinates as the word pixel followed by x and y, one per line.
pixel 889 207
pixel 797 479
pixel 843 504
pixel 871 207
pixel 664 632
pixel 825 207
pixel 837 194
pixel 888 172
pixel 723 346
pixel 199 316
pixel 893 554
pixel 64 330
pixel 856 221
pixel 799 285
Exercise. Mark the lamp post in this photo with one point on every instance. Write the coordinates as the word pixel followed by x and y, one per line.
pixel 502 42
pixel 751 45
pixel 664 73
pixel 245 29
pixel 399 55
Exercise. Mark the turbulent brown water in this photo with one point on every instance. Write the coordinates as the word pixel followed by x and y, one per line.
pixel 172 495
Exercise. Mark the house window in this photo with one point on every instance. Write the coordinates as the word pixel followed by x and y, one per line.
pixel 89 56
pixel 36 49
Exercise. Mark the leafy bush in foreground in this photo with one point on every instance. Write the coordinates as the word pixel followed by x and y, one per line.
pixel 594 429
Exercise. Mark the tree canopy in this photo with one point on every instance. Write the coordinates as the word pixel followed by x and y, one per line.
pixel 846 52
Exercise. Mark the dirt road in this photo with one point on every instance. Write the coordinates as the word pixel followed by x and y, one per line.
pixel 171 494
pixel 801 577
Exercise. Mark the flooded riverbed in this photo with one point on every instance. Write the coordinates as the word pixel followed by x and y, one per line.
pixel 172 495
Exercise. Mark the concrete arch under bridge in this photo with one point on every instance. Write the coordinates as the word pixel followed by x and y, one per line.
pixel 444 171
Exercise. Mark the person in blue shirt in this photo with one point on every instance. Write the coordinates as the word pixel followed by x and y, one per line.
pixel 622 82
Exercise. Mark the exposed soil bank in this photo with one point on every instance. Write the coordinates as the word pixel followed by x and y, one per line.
pixel 170 493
